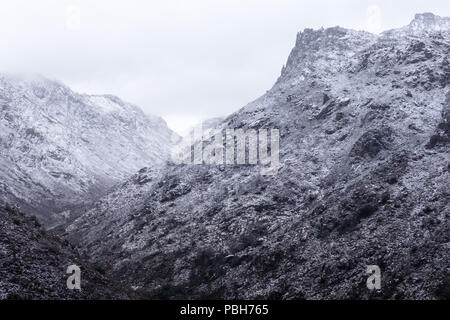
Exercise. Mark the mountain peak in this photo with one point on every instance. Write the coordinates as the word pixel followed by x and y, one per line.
pixel 422 23
pixel 425 16
pixel 323 51
pixel 429 21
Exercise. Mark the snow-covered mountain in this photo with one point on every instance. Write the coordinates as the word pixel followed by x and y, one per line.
pixel 364 122
pixel 60 149
pixel 422 24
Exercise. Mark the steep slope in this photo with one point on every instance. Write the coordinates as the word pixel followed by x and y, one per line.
pixel 364 153
pixel 33 264
pixel 60 148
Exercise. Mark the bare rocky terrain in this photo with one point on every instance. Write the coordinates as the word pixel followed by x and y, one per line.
pixel 364 180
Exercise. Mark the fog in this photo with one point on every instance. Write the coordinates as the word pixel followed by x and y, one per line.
pixel 182 60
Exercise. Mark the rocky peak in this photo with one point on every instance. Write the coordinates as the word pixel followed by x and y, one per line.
pixel 422 23
pixel 323 51
pixel 429 21
pixel 326 51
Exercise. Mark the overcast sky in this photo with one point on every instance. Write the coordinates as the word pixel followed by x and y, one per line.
pixel 184 60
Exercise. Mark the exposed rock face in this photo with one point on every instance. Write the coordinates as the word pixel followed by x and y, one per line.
pixel 424 23
pixel 362 182
pixel 33 264
pixel 59 148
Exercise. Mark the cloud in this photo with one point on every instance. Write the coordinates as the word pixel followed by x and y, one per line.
pixel 176 58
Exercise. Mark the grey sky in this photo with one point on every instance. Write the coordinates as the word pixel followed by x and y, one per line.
pixel 183 60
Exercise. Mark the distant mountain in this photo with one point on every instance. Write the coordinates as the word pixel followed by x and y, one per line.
pixel 205 125
pixel 364 124
pixel 60 149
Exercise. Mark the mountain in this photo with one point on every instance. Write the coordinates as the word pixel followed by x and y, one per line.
pixel 424 23
pixel 60 149
pixel 33 264
pixel 364 124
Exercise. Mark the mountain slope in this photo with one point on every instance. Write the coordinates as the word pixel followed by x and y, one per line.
pixel 33 264
pixel 364 153
pixel 60 148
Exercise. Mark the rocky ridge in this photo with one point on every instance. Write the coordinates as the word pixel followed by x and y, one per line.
pixel 60 150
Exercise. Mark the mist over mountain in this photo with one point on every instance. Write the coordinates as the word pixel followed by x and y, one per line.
pixel 60 149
